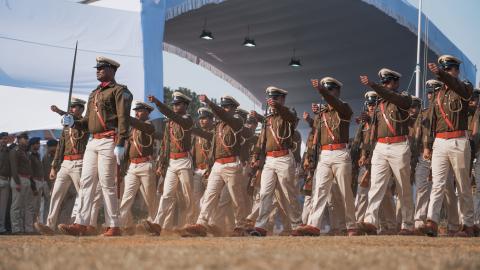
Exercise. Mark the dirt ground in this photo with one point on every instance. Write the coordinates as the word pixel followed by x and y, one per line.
pixel 144 252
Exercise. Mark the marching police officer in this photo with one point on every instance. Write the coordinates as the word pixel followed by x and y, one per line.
pixel 279 167
pixel 391 154
pixel 227 168
pixel 140 173
pixel 175 161
pixel 108 120
pixel 335 164
pixel 450 147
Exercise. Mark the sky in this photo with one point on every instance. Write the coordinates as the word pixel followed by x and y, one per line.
pixel 459 20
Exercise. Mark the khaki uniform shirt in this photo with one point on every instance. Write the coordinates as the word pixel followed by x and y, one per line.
pixel 20 163
pixel 108 108
pixel 72 142
pixel 449 107
pixel 392 116
pixel 4 161
pixel 141 138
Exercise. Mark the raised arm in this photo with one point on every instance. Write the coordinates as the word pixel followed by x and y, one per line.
pixel 235 123
pixel 144 126
pixel 184 122
pixel 202 133
pixel 462 89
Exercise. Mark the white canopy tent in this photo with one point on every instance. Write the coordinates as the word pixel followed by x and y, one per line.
pixel 37 40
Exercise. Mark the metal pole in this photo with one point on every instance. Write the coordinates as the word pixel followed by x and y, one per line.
pixel 419 39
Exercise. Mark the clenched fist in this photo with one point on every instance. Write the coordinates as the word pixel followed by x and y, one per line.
pixel 153 99
pixel 203 98
pixel 427 154
pixel 52 175
pixel 433 68
pixel 365 81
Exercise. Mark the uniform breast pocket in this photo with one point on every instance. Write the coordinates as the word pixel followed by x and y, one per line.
pixel 108 105
pixel 454 104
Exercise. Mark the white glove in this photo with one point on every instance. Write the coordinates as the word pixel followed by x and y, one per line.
pixel 67 120
pixel 119 153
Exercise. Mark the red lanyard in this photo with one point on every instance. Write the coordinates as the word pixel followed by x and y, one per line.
pixel 277 141
pixel 204 153
pixel 139 148
pixel 172 136
pixel 98 112
pixel 442 112
pixel 220 134
pixel 329 131
pixel 72 141
pixel 390 127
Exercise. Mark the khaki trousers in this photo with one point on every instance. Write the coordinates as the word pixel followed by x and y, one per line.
pixel 178 171
pixel 37 199
pixel 423 188
pixel 229 174
pixel 455 154
pixel 223 215
pixel 279 173
pixel 255 205
pixel 139 177
pixel 333 166
pixel 69 173
pixel 245 174
pixel 4 192
pixel 476 168
pixel 99 168
pixel 451 204
pixel 66 207
pixel 387 214
pixel 22 209
pixel 361 200
pixel 336 208
pixel 390 160
pixel 198 191
pixel 307 206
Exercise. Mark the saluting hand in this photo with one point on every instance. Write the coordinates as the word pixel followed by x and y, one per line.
pixel 365 81
pixel 433 68
pixel 153 99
